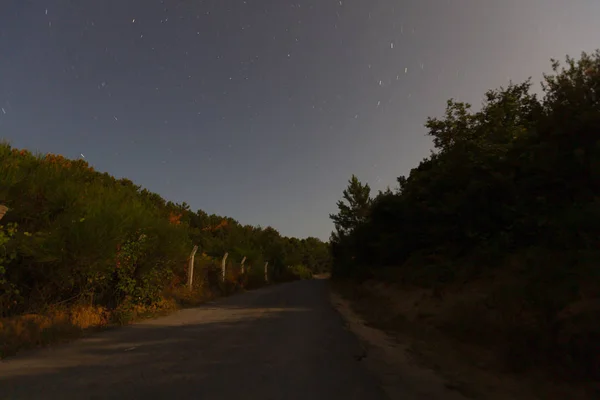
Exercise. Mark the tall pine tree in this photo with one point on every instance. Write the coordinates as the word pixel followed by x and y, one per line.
pixel 354 207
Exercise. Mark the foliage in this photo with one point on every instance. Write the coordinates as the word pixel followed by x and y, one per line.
pixel 86 237
pixel 355 210
pixel 517 180
pixel 9 294
pixel 301 272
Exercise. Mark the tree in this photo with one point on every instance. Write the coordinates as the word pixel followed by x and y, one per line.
pixel 355 210
pixel 519 172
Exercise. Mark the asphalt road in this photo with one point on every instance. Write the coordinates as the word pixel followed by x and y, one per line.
pixel 281 342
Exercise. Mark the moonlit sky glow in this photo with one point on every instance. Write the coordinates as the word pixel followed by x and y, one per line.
pixel 261 110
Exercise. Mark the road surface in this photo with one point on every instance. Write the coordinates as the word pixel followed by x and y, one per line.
pixel 281 342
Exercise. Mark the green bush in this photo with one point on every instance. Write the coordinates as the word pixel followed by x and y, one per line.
pixel 9 293
pixel 301 272
pixel 85 236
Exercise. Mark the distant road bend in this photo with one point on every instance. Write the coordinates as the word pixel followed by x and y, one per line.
pixel 282 342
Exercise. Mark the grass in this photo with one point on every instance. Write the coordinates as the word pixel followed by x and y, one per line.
pixel 480 330
pixel 63 324
pixel 55 326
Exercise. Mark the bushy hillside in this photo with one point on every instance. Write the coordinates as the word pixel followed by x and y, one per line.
pixel 73 235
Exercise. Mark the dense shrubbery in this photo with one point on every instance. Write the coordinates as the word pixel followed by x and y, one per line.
pixel 73 235
pixel 298 272
pixel 512 189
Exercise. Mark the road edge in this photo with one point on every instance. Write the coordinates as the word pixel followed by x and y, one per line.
pixel 389 360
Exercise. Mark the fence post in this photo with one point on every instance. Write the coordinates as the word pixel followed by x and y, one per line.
pixel 191 267
pixel 266 274
pixel 223 265
pixel 3 210
pixel 243 261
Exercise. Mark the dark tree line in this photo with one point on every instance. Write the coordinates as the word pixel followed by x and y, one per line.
pixel 512 189
pixel 522 172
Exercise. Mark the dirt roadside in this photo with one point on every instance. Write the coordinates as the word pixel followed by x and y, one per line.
pixel 389 359
pixel 411 357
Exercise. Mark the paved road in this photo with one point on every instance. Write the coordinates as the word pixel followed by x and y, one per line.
pixel 282 342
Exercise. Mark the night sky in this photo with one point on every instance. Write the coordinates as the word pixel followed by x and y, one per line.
pixel 262 110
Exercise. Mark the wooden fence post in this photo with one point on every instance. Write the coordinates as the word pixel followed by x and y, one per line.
pixel 266 274
pixel 223 265
pixel 243 261
pixel 191 267
pixel 3 210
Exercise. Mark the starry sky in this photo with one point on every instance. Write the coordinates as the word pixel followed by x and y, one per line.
pixel 261 110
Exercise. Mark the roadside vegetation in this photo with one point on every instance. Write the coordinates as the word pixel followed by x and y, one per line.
pixel 494 239
pixel 80 249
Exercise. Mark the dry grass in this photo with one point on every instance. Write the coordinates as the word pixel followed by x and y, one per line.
pixel 68 323
pixel 183 297
pixel 32 330
pixel 462 334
